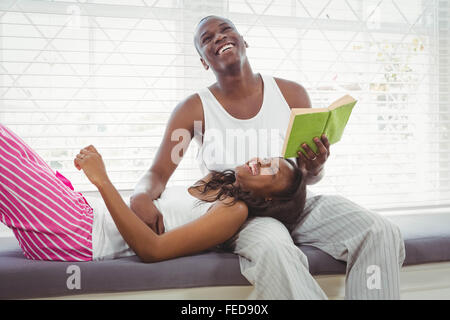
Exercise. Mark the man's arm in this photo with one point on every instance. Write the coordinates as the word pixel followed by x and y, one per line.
pixel 297 97
pixel 176 139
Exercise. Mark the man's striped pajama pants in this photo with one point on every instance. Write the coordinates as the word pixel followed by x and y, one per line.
pixel 278 269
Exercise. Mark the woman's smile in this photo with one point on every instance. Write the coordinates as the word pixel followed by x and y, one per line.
pixel 263 176
pixel 254 167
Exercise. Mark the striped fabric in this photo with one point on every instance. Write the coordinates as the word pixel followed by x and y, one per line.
pixel 365 240
pixel 48 218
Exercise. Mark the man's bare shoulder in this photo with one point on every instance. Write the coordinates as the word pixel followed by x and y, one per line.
pixel 191 104
pixel 187 111
pixel 294 93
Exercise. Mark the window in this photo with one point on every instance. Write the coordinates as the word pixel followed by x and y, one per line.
pixel 109 73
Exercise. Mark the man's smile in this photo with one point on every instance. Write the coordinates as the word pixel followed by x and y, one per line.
pixel 226 46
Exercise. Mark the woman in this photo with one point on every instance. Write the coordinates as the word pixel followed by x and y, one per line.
pixel 53 222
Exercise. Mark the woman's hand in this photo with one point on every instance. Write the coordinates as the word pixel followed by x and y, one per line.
pixel 91 162
pixel 314 163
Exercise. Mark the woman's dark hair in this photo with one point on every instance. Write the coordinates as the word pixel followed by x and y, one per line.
pixel 286 206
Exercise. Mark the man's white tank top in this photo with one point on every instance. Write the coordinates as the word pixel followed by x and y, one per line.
pixel 229 142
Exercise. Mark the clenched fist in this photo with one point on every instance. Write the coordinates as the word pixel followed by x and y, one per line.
pixel 91 162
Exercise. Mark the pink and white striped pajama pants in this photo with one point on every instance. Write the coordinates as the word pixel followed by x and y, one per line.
pixel 49 219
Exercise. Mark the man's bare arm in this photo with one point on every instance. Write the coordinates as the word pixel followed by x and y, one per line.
pixel 170 152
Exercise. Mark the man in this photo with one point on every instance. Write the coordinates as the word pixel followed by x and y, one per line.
pixel 269 259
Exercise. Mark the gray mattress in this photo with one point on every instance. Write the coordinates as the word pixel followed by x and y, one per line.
pixel 427 239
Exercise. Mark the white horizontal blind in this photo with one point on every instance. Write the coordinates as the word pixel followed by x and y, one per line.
pixel 444 99
pixel 109 73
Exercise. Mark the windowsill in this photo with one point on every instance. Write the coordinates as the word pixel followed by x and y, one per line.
pixel 412 211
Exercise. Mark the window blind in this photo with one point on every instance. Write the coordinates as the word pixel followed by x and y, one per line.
pixel 109 73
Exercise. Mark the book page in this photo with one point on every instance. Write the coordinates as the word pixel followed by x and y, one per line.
pixel 341 101
pixel 308 110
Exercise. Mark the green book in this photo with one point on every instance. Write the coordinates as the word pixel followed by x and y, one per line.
pixel 307 123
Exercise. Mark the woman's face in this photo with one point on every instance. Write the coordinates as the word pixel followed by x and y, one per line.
pixel 264 177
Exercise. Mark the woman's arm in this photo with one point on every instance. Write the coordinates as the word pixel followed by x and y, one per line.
pixel 213 228
pixel 219 224
pixel 216 226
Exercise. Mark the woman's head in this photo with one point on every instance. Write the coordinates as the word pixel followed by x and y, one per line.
pixel 273 187
pixel 265 177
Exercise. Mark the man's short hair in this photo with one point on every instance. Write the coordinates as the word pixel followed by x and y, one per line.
pixel 214 16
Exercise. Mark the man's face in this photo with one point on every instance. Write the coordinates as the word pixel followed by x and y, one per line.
pixel 219 44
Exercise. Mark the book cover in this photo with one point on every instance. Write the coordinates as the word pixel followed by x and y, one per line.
pixel 307 123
